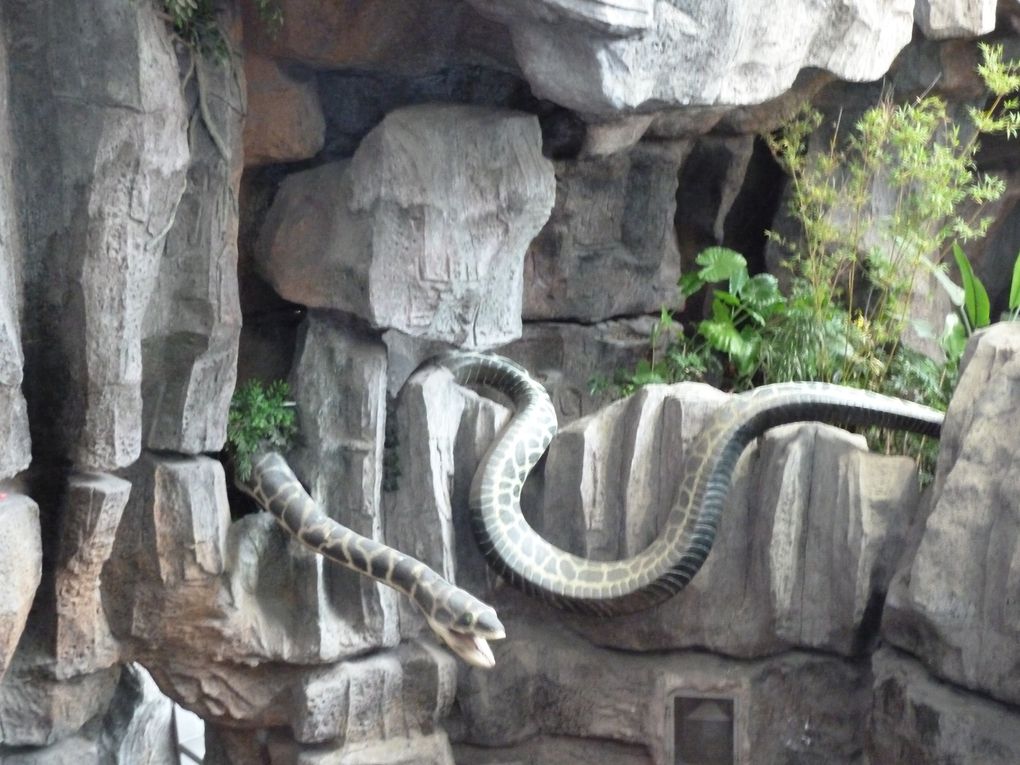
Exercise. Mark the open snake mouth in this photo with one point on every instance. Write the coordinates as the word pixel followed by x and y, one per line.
pixel 472 647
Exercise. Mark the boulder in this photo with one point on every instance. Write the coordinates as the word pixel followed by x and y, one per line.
pixel 424 230
pixel 600 57
pixel 396 750
pixel 405 36
pixel 193 321
pixel 441 433
pixel 91 516
pixel 609 248
pixel 37 710
pixel 285 121
pixel 339 386
pixel 20 569
pixel 15 452
pixel 568 359
pixel 916 718
pixel 96 104
pixel 939 19
pixel 809 539
pixel 794 707
pixel 139 727
pixel 950 603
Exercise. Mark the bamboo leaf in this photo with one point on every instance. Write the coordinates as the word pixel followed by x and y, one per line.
pixel 1014 286
pixel 975 297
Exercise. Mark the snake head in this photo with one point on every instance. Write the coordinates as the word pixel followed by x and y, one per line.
pixel 469 633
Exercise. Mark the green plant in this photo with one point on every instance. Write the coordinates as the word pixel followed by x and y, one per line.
pixel 194 22
pixel 973 308
pixel 260 418
pixel 852 264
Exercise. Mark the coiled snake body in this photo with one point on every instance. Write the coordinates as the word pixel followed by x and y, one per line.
pixel 520 555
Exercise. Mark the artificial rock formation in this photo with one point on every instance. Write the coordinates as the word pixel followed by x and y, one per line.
pixel 14 437
pixel 951 606
pixel 531 175
pixel 626 702
pixel 285 121
pixel 424 230
pixel 600 58
pixel 612 225
pixel 103 203
pixel 193 321
pixel 20 569
pixel 805 549
pixel 915 718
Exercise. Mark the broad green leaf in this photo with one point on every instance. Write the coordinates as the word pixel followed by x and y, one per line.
pixel 738 280
pixel 975 297
pixel 728 298
pixel 1014 286
pixel 761 291
pixel 690 283
pixel 720 264
pixel 724 337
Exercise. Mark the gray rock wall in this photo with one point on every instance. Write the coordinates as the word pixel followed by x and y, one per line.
pixel 382 180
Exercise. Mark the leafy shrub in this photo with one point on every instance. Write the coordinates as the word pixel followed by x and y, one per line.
pixel 194 22
pixel 261 418
pixel 851 271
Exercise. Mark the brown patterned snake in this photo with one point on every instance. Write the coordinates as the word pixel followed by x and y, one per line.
pixel 522 557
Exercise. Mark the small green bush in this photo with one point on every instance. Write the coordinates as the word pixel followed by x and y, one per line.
pixel 261 418
pixel 851 271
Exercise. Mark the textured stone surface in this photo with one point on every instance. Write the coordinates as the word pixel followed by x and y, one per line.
pixel 95 504
pixel 563 750
pixel 38 710
pixel 951 605
pixel 915 718
pixel 795 707
pixel 15 452
pixel 441 432
pixel 138 728
pixel 190 589
pixel 20 569
pixel 812 530
pixel 602 57
pixel 94 91
pixel 388 35
pixel 398 693
pixel 609 248
pixel 339 385
pixel 162 584
pixel 412 750
pixel 567 357
pixel 393 694
pixel 424 230
pixel 710 180
pixel 955 18
pixel 285 121
pixel 194 319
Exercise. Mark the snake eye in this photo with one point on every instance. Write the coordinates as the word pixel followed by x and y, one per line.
pixel 488 622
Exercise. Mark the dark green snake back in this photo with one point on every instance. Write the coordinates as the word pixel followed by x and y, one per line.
pixel 522 557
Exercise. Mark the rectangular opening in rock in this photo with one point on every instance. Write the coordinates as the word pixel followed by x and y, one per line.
pixel 703 729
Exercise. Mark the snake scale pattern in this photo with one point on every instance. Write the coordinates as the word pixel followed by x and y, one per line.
pixel 526 560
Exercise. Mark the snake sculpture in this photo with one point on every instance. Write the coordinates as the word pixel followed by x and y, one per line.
pixel 524 558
